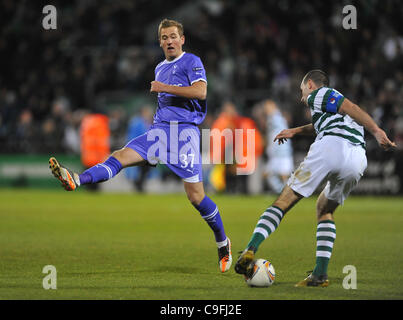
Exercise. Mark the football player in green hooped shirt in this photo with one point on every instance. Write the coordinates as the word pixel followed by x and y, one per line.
pixel 336 157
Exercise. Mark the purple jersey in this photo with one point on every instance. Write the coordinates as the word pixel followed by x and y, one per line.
pixel 182 71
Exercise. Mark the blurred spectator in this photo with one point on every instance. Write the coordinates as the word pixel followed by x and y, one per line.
pixel 226 174
pixel 95 141
pixel 138 125
pixel 25 131
pixel 251 152
pixel 222 151
pixel 280 162
pixel 72 140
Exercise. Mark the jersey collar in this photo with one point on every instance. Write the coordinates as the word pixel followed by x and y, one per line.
pixel 174 60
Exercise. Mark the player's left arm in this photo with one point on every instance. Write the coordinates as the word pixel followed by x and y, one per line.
pixel 198 90
pixel 364 119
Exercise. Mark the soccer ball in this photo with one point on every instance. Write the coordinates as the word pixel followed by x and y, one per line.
pixel 263 274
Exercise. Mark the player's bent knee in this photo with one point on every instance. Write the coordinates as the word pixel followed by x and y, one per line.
pixel 194 192
pixel 119 155
pixel 116 154
pixel 325 209
pixel 127 157
pixel 195 198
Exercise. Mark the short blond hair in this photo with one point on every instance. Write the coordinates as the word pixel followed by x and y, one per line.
pixel 166 23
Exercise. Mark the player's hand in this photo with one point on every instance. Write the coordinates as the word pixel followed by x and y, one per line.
pixel 284 135
pixel 157 86
pixel 383 140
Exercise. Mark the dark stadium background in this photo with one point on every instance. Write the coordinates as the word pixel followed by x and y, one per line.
pixel 102 56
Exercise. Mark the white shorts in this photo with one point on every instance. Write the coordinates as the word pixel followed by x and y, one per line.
pixel 280 166
pixel 332 160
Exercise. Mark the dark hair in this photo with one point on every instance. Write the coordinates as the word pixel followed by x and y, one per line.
pixel 318 77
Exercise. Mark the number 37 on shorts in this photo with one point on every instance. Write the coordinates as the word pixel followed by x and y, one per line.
pixel 187 160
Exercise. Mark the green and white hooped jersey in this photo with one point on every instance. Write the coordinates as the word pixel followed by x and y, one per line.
pixel 324 104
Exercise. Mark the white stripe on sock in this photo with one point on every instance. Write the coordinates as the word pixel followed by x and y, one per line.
pixel 268 224
pixel 222 243
pixel 277 211
pixel 324 243
pixel 211 215
pixel 107 169
pixel 326 234
pixel 327 225
pixel 325 254
pixel 272 216
pixel 261 231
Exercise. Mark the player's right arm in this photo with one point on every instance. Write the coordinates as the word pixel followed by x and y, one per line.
pixel 197 90
pixel 306 130
pixel 364 119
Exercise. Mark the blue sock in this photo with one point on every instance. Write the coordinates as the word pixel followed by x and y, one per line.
pixel 209 212
pixel 101 172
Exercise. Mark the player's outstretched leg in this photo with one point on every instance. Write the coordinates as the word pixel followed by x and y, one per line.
pixel 267 223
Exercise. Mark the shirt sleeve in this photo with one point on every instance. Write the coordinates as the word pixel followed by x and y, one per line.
pixel 325 100
pixel 196 71
pixel 332 101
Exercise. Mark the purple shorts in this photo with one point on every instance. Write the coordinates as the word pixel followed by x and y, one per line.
pixel 175 145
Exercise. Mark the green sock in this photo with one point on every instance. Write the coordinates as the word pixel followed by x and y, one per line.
pixel 325 236
pixel 268 222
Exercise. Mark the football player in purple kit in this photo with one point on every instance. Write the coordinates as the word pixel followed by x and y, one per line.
pixel 173 139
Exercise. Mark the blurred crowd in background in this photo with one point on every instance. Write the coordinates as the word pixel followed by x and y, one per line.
pixel 252 50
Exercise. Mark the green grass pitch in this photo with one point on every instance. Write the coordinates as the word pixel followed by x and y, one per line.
pixel 130 246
